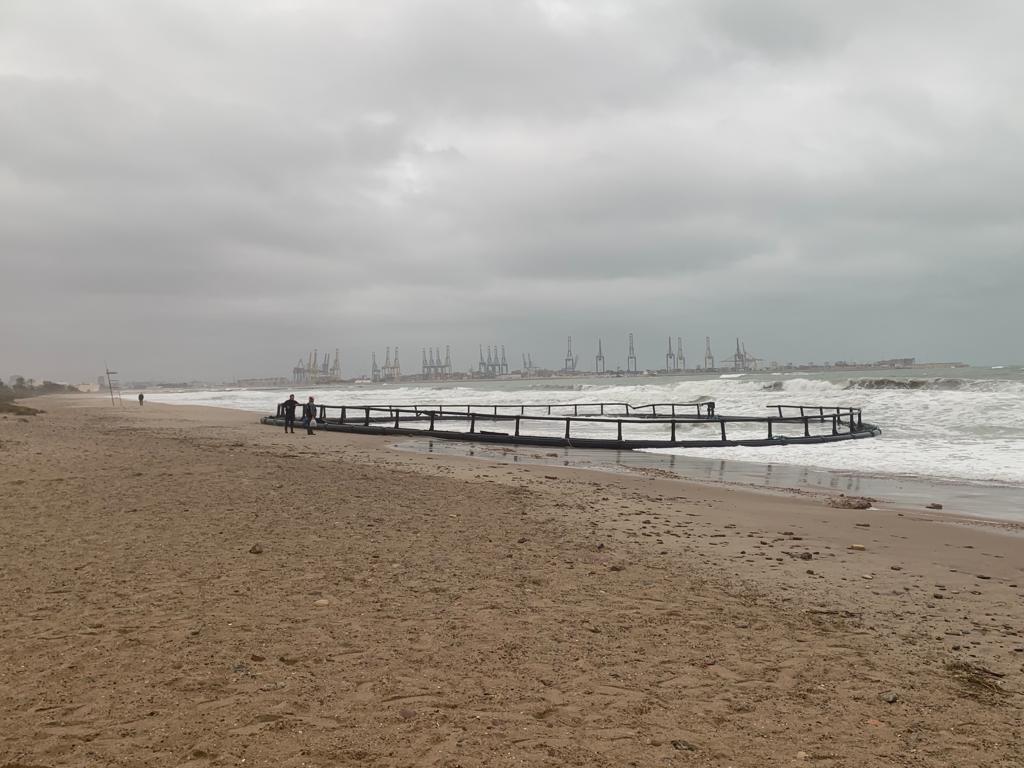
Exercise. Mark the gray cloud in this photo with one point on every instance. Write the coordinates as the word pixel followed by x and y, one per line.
pixel 208 190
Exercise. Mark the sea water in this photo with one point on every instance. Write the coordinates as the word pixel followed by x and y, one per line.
pixel 959 425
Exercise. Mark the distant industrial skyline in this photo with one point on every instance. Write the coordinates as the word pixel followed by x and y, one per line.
pixel 208 190
pixel 494 360
pixel 453 361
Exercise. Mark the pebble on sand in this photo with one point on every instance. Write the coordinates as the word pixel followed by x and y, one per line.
pixel 255 549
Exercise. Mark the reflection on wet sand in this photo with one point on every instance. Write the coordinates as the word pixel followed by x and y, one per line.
pixel 960 498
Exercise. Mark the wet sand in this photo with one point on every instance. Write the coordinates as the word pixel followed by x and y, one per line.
pixel 985 501
pixel 183 586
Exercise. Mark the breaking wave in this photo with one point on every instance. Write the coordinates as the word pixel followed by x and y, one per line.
pixel 926 385
pixel 938 385
pixel 801 385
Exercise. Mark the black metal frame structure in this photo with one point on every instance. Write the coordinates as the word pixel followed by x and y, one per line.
pixel 846 423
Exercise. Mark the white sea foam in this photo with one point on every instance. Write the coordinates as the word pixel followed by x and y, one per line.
pixel 961 429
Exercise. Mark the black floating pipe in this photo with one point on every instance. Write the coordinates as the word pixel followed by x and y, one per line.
pixel 840 416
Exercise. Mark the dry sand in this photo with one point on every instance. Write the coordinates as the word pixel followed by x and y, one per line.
pixel 409 610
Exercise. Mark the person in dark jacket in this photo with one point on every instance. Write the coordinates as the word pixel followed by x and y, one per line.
pixel 290 405
pixel 309 416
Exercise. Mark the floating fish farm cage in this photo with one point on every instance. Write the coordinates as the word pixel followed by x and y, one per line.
pixel 618 426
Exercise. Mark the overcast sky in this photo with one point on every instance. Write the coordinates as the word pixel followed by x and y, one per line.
pixel 193 189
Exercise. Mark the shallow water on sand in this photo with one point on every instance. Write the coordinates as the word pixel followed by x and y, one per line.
pixel 996 502
pixel 958 428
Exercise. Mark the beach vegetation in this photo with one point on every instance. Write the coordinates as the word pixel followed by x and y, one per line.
pixel 21 388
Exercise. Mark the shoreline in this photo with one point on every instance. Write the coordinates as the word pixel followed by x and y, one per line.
pixel 994 503
pixel 973 500
pixel 216 590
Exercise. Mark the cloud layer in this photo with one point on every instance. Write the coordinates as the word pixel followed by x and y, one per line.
pixel 210 190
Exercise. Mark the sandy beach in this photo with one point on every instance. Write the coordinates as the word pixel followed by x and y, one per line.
pixel 184 586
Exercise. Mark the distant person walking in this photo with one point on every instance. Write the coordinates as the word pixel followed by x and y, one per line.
pixel 290 405
pixel 309 416
pixel 141 398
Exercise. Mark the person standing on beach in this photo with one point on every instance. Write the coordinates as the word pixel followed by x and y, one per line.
pixel 140 398
pixel 309 416
pixel 289 406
